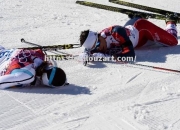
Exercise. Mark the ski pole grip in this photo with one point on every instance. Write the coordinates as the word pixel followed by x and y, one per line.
pixel 22 40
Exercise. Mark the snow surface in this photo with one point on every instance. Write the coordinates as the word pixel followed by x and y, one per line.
pixel 101 96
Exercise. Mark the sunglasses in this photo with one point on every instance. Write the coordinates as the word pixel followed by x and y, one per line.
pixel 97 45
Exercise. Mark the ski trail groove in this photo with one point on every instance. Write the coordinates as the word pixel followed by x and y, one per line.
pixel 26 106
pixel 133 78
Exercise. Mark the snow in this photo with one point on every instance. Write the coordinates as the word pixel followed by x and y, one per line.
pixel 101 96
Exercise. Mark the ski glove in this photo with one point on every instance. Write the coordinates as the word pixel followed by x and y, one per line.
pixel 93 57
pixel 41 69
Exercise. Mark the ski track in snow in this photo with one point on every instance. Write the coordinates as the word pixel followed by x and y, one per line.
pixel 101 96
pixel 133 78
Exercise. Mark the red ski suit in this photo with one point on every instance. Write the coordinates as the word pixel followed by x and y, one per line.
pixel 149 31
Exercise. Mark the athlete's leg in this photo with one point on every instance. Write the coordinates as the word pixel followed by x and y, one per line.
pixel 149 31
pixel 21 76
pixel 131 21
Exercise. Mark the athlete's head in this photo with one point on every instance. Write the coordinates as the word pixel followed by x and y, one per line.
pixel 54 77
pixel 88 38
pixel 93 41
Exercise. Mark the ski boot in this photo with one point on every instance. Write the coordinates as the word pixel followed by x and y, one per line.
pixel 172 18
pixel 171 21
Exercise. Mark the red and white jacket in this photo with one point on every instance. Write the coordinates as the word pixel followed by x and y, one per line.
pixel 11 59
pixel 116 39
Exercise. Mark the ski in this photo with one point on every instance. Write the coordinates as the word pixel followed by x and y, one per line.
pixel 121 10
pixel 51 47
pixel 146 8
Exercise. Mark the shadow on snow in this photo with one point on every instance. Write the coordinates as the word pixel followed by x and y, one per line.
pixel 155 53
pixel 70 89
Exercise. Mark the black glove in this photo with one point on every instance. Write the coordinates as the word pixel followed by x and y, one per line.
pixel 114 50
pixel 41 69
pixel 34 82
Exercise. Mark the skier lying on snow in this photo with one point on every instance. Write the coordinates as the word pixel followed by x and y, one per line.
pixel 20 66
pixel 118 41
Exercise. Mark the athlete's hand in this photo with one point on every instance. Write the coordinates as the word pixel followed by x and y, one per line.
pixel 40 70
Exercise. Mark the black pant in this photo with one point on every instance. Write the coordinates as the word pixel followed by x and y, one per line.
pixel 132 21
pixel 127 51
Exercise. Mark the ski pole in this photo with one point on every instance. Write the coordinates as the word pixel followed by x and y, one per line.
pixel 159 68
pixel 149 66
pixel 23 41
pixel 51 47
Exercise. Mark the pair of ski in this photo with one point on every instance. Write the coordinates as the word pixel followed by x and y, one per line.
pixel 153 12
pixel 52 48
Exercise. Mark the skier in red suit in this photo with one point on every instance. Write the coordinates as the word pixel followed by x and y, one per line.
pixel 135 33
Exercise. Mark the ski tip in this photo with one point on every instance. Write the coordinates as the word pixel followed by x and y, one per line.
pixel 22 40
